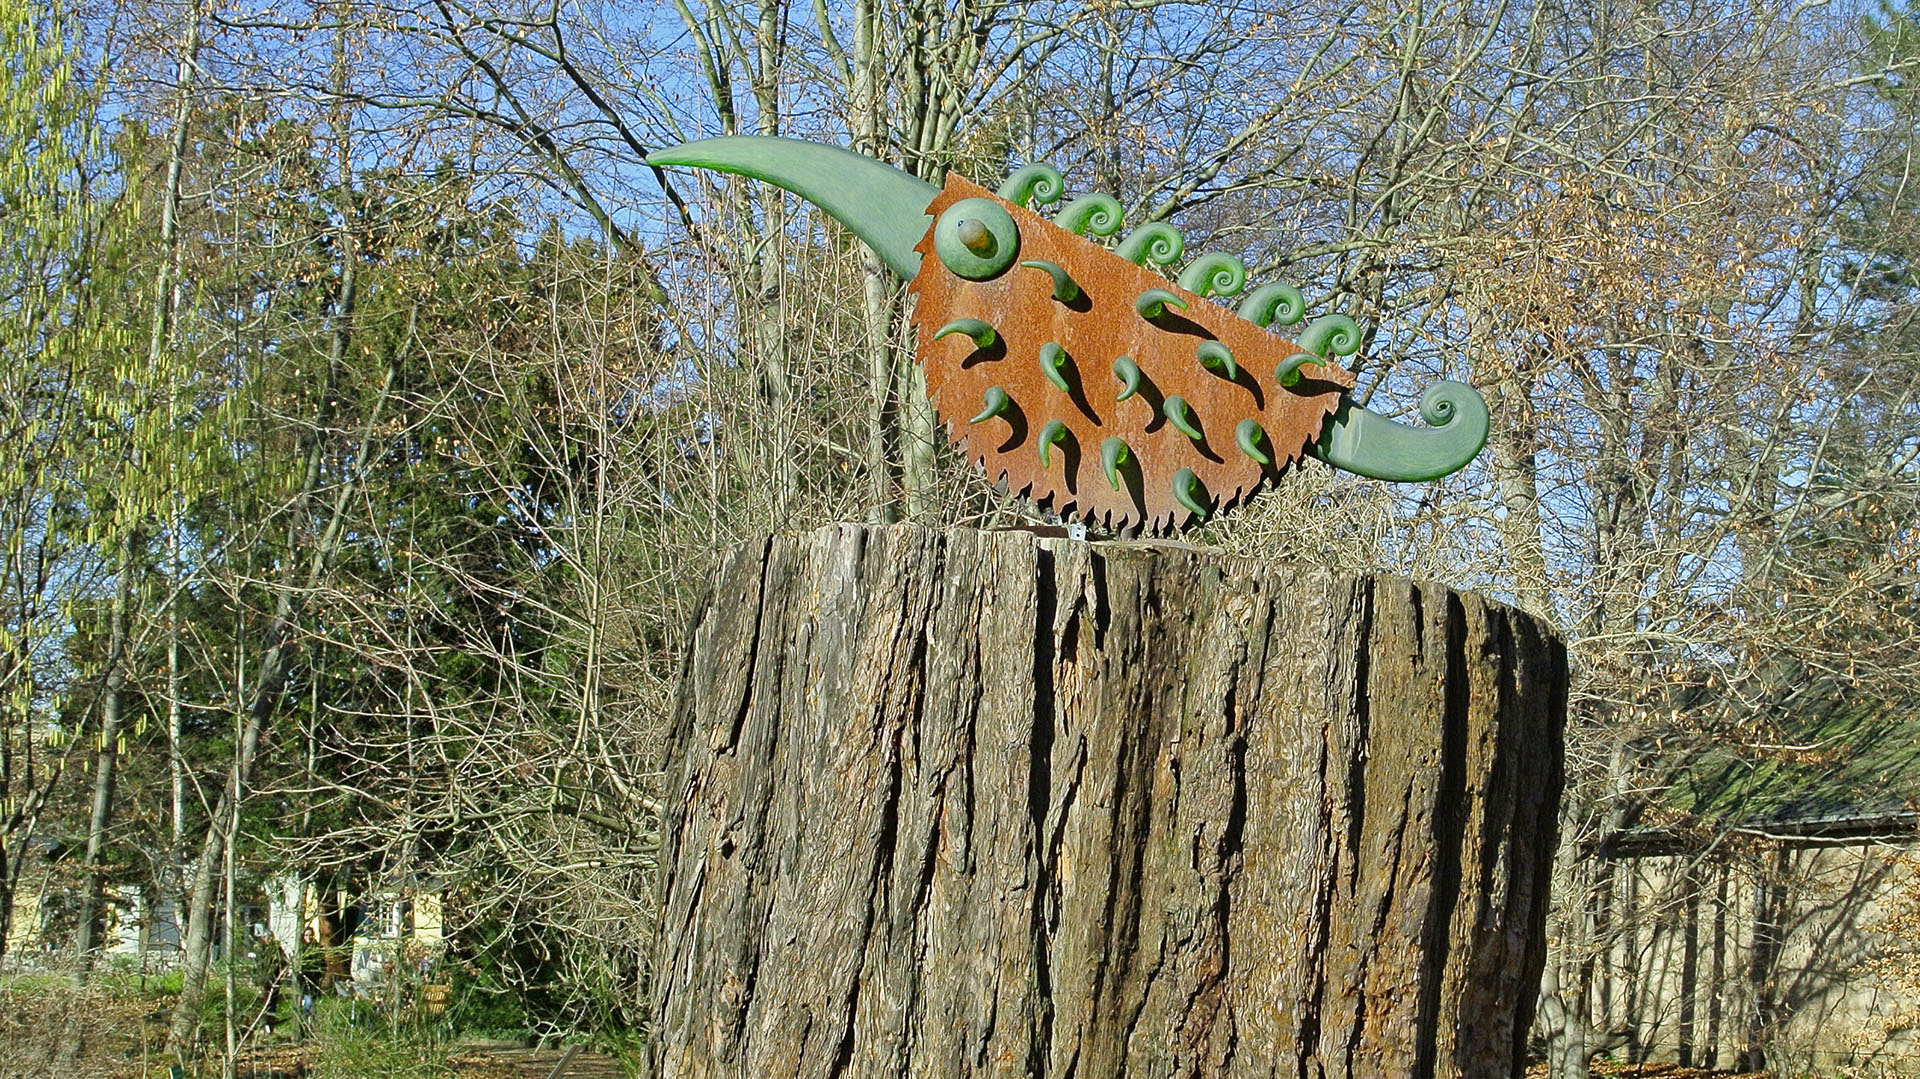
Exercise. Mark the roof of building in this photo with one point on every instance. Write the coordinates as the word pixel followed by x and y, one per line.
pixel 1843 773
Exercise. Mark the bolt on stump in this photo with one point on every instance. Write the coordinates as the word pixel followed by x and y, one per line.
pixel 957 803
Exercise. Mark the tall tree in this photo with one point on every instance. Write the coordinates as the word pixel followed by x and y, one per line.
pixel 63 348
pixel 144 430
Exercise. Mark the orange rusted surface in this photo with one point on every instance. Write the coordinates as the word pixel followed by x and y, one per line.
pixel 1095 329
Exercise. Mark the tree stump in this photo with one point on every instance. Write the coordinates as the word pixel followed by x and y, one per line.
pixel 982 803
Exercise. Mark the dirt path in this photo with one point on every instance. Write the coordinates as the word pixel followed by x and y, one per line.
pixel 1607 1070
pixel 533 1064
pixel 295 1062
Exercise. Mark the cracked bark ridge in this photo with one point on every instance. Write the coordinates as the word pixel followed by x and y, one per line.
pixel 987 804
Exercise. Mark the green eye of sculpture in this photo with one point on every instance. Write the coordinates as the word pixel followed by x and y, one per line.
pixel 976 239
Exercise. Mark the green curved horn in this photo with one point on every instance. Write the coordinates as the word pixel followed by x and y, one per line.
pixel 1248 436
pixel 1371 445
pixel 1129 375
pixel 1218 358
pixel 882 205
pixel 994 402
pixel 1113 455
pixel 1053 364
pixel 1154 302
pixel 1189 493
pixel 1180 416
pixel 1065 288
pixel 1053 432
pixel 981 333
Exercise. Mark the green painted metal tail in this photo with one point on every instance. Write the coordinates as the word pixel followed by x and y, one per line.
pixel 883 206
pixel 1371 445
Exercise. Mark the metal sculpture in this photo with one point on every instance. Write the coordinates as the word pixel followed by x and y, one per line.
pixel 1082 378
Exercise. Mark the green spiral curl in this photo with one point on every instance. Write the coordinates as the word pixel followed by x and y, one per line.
pixel 1053 432
pixel 1181 417
pixel 1268 304
pixel 1331 335
pixel 1218 358
pixel 1189 493
pixel 996 401
pixel 1248 437
pixel 1446 399
pixel 1215 274
pixel 1113 454
pixel 1036 181
pixel 1096 214
pixel 1053 364
pixel 1156 242
pixel 1129 375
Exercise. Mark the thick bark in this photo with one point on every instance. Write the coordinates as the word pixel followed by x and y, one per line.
pixel 956 803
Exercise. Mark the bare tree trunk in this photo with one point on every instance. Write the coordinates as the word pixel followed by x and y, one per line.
pixel 1571 1039
pixel 233 937
pixel 919 436
pixel 960 803
pixel 1689 967
pixel 1769 912
pixel 1514 444
pixel 87 935
pixel 197 946
pixel 1717 976
pixel 295 583
pixel 263 697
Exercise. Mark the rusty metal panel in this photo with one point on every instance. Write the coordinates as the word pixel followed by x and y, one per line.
pixel 1098 327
